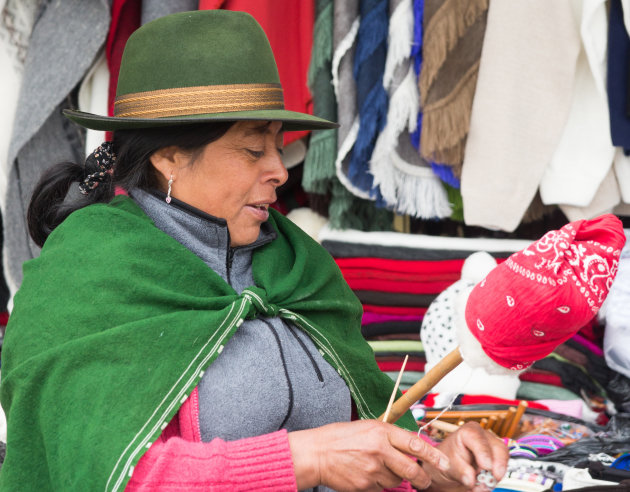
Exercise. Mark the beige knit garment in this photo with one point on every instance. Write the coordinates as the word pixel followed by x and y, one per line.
pixel 606 198
pixel 521 104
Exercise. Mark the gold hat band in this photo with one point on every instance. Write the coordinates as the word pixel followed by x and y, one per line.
pixel 199 100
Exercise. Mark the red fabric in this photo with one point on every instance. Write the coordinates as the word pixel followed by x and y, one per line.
pixel 125 20
pixel 380 285
pixel 405 311
pixel 289 28
pixel 542 377
pixel 402 266
pixel 395 365
pixel 541 296
pixel 352 273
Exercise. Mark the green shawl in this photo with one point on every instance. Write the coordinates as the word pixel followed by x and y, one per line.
pixel 115 323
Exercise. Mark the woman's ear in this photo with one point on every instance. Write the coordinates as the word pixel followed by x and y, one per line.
pixel 166 161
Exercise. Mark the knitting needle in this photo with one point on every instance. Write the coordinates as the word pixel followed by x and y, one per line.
pixel 422 387
pixel 391 398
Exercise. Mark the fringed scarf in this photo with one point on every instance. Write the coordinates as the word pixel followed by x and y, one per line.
pixel 349 210
pixel 319 164
pixel 453 37
pixel 404 179
pixel 369 65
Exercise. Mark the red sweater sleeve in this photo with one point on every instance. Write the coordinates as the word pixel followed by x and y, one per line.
pixel 176 465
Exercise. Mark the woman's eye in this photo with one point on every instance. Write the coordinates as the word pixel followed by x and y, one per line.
pixel 256 153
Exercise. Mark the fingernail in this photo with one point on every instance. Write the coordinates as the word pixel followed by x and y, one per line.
pixel 444 464
pixel 415 445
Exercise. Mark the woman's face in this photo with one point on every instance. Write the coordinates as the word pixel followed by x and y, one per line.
pixel 235 177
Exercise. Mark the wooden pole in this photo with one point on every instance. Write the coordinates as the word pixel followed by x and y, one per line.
pixel 422 387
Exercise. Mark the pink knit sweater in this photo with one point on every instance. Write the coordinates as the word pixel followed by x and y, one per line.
pixel 179 462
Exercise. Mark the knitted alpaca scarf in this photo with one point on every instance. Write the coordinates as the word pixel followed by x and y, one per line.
pixel 405 180
pixel 115 323
pixel 453 37
pixel 369 64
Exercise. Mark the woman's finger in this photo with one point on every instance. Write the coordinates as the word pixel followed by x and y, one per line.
pixel 407 468
pixel 410 444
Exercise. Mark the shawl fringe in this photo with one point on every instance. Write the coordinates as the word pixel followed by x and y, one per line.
pixel 317 169
pixel 419 194
pixel 400 41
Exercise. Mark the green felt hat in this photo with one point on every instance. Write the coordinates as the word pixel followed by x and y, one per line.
pixel 198 67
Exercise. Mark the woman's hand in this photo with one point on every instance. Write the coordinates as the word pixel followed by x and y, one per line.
pixel 470 449
pixel 365 455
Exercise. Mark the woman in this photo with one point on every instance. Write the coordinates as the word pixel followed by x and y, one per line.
pixel 182 335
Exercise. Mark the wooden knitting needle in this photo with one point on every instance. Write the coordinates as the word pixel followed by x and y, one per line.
pixel 422 387
pixel 520 410
pixel 391 398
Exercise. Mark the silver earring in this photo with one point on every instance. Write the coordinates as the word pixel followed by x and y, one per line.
pixel 168 193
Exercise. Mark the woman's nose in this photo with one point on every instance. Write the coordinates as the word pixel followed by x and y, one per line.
pixel 278 172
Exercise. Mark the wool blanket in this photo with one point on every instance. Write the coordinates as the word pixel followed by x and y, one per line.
pixel 115 323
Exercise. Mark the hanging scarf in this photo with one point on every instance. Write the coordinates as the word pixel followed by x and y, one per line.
pixel 116 322
pixel 319 164
pixel 406 181
pixel 369 64
pixel 453 36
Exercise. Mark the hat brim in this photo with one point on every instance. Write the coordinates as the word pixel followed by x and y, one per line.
pixel 292 120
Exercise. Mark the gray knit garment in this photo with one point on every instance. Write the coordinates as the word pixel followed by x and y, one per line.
pixel 270 375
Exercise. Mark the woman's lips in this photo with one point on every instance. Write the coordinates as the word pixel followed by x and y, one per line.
pixel 259 211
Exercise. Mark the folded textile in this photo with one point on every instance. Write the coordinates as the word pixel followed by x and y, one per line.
pixel 399 246
pixel 376 274
pixel 408 378
pixel 419 267
pixel 572 355
pixel 393 336
pixel 542 377
pixel 395 310
pixel 537 391
pixel 369 318
pixel 573 377
pixel 402 346
pixel 394 299
pixel 390 286
pixel 399 328
pixel 391 366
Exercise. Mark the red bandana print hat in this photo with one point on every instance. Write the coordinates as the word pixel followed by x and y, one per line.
pixel 541 296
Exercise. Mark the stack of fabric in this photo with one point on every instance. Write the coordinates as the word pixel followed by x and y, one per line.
pixel 397 276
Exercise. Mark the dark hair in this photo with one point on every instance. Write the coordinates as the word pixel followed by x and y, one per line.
pixel 133 148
